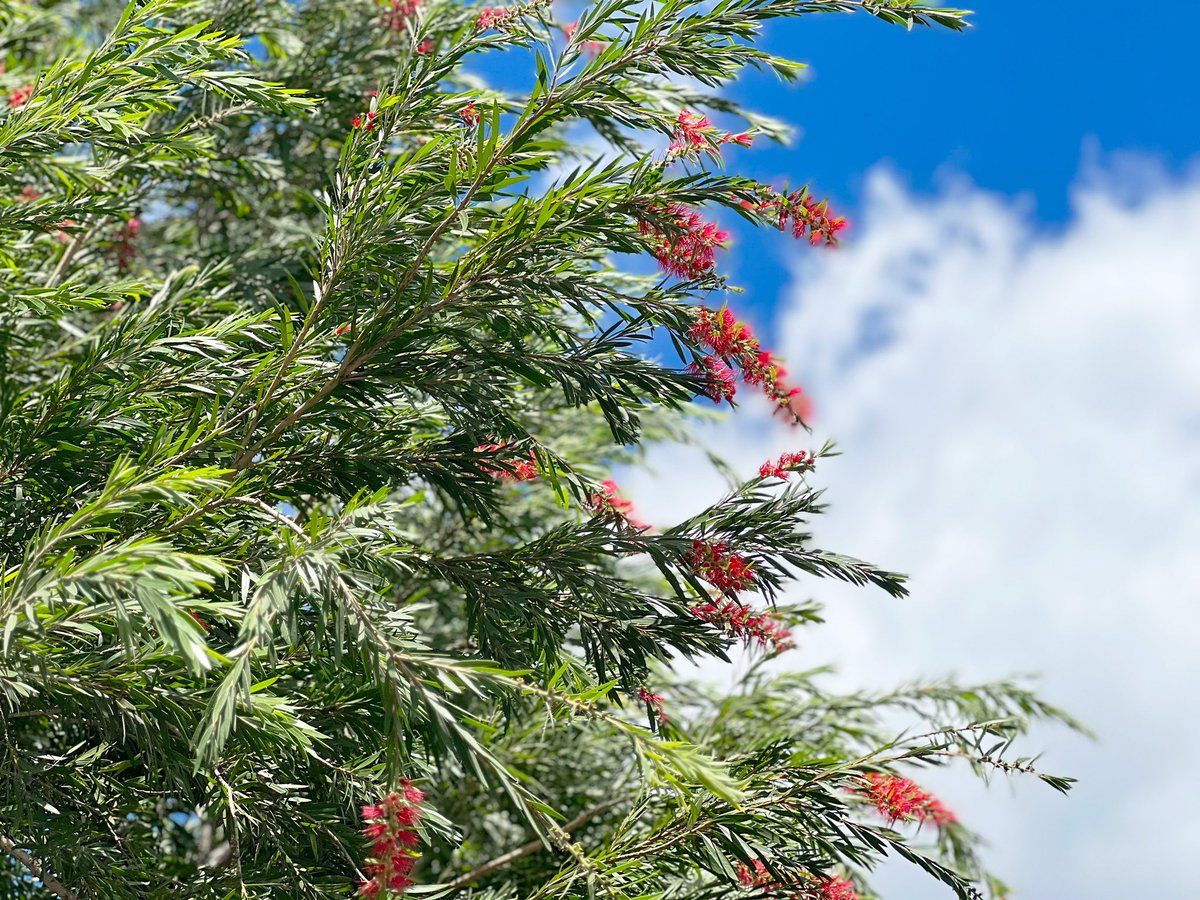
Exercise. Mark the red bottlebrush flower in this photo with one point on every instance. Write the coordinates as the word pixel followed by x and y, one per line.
pixel 20 96
pixel 591 48
pixel 426 46
pixel 518 469
pixel 816 220
pixel 397 18
pixel 936 812
pixel 410 793
pixel 835 888
pixel 756 877
pixel 28 195
pixel 786 464
pixel 734 342
pixel 492 17
pixel 726 571
pixel 342 329
pixel 199 621
pixel 609 502
pixel 798 404
pixel 389 829
pixel 693 127
pixel 123 243
pixel 469 114
pixel 686 249
pixel 722 332
pixel 366 124
pixel 408 815
pixel 745 139
pixel 896 797
pixel 650 699
pixel 735 620
pixel 720 382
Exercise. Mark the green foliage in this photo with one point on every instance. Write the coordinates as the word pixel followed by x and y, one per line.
pixel 271 385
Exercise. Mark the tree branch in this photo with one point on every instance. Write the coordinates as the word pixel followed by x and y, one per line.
pixel 49 882
pixel 524 850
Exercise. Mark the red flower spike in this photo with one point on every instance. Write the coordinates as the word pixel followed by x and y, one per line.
pixel 733 342
pixel 721 382
pixel 687 250
pixel 786 464
pixel 938 813
pixel 20 96
pixel 756 877
pixel 735 620
pixel 521 469
pixel 398 17
pixel 492 17
pixel 695 134
pixel 898 798
pixel 609 502
pixel 835 888
pixel 389 830
pixel 650 699
pixel 726 571
pixel 469 114
pixel 426 46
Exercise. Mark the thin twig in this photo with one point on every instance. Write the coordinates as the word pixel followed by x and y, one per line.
pixel 49 882
pixel 524 850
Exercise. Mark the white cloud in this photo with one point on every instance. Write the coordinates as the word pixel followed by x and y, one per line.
pixel 1019 411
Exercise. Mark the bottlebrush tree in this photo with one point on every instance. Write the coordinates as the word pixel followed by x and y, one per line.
pixel 317 357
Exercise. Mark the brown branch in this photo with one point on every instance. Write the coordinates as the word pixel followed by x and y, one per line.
pixel 524 850
pixel 49 882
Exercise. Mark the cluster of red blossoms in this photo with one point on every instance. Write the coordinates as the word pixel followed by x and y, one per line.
pixel 800 213
pixel 732 342
pixel 781 468
pixel 366 123
pixel 738 621
pixel 609 502
pixel 518 469
pixel 494 17
pixel 469 114
pixel 20 96
pixel 833 887
pixel 123 243
pixel 653 701
pixel 726 571
pixel 695 134
pixel 397 16
pixel 686 247
pixel 389 828
pixel 591 48
pixel 899 798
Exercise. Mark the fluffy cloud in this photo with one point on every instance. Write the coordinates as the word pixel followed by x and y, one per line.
pixel 1019 412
